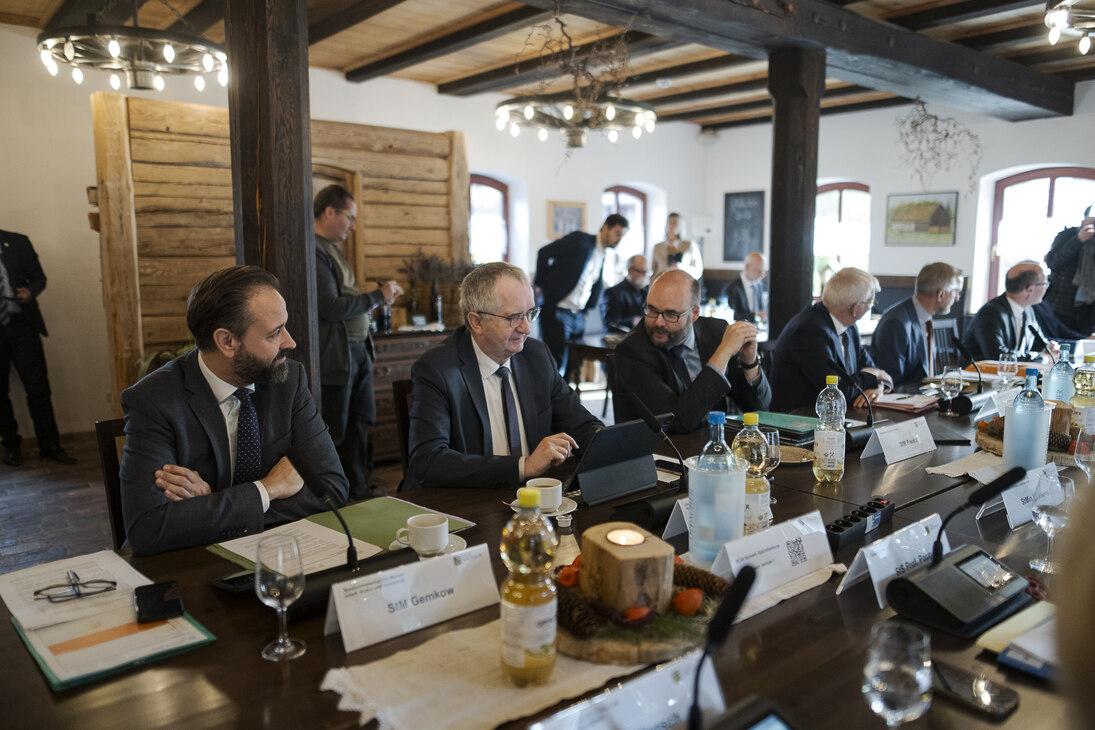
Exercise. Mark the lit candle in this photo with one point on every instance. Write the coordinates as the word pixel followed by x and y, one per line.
pixel 625 537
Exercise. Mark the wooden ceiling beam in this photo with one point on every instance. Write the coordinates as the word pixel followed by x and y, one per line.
pixel 687 69
pixel 119 13
pixel 1065 51
pixel 751 105
pixel 201 17
pixel 74 12
pixel 859 50
pixel 721 90
pixel 1003 39
pixel 359 12
pixel 538 69
pixel 842 109
pixel 961 12
pixel 486 30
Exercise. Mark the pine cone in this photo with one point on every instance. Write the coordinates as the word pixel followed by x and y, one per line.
pixel 1058 441
pixel 689 576
pixel 575 614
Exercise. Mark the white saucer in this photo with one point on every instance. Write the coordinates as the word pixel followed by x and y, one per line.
pixel 455 543
pixel 567 506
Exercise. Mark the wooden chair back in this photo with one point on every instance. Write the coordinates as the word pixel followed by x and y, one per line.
pixel 107 434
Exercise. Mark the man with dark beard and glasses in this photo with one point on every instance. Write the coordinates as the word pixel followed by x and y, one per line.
pixel 226 440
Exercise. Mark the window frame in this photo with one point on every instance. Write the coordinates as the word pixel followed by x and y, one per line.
pixel 616 190
pixel 478 179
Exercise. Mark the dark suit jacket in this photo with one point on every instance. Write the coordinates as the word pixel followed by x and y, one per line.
pixel 25 271
pixel 1054 328
pixel 450 440
pixel 898 344
pixel 645 370
pixel 739 301
pixel 172 417
pixel 993 330
pixel 808 349
pixel 622 303
pixel 333 309
pixel 559 265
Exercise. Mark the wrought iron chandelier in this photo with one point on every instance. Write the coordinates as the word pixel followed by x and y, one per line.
pixel 574 116
pixel 143 55
pixel 1063 17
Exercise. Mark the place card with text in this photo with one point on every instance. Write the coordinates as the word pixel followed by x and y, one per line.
pixel 894 555
pixel 1018 499
pixel 780 553
pixel 900 441
pixel 678 520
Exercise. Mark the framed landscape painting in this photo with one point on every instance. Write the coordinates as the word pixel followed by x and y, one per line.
pixel 564 218
pixel 921 219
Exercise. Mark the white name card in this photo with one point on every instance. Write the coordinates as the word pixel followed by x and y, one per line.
pixel 780 553
pixel 678 520
pixel 900 441
pixel 390 603
pixel 660 698
pixel 894 556
pixel 1018 499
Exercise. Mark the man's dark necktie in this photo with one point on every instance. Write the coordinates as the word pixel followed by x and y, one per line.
pixel 930 345
pixel 845 344
pixel 758 301
pixel 513 428
pixel 1022 332
pixel 680 367
pixel 248 440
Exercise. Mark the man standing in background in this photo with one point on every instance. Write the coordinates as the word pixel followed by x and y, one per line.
pixel 345 342
pixel 21 332
pixel 1071 261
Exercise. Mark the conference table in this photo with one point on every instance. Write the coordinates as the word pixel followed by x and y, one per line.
pixel 805 654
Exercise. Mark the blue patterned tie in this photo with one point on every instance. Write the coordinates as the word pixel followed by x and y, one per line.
pixel 513 429
pixel 248 441
pixel 7 295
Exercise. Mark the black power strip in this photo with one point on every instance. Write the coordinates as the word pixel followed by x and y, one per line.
pixel 861 521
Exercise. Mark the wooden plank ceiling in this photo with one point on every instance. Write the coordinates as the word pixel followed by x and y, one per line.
pixel 468 47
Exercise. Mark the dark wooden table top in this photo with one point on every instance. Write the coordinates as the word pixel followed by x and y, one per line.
pixel 806 654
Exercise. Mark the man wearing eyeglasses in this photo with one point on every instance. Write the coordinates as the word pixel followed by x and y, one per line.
pixel 488 408
pixel 622 306
pixel 684 364
pixel 345 341
pixel 904 342
pixel 1008 323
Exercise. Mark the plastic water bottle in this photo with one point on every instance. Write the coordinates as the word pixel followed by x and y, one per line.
pixel 751 448
pixel 1058 383
pixel 568 542
pixel 1029 399
pixel 529 603
pixel 829 435
pixel 1083 400
pixel 716 496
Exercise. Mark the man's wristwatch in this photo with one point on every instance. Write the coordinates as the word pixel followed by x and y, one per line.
pixel 751 365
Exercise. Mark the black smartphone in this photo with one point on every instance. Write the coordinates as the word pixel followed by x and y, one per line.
pixel 157 602
pixel 974 691
pixel 241 582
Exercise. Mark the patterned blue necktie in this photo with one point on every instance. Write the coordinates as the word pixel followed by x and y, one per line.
pixel 7 306
pixel 513 429
pixel 248 441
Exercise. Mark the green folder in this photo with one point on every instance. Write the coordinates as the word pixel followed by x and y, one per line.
pixel 785 422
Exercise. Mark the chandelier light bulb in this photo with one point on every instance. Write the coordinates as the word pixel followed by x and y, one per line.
pixel 77 75
pixel 51 66
pixel 529 112
pixel 568 112
pixel 222 76
pixel 613 136
pixel 514 129
pixel 115 82
pixel 46 58
pixel 503 114
pixel 207 63
pixel 500 123
pixel 640 118
pixel 649 125
pixel 168 52
pixel 610 112
pixel 542 134
pixel 1057 18
pixel 114 48
pixel 199 83
pixel 1085 44
pixel 158 83
pixel 637 132
pixel 1054 35
pixel 70 50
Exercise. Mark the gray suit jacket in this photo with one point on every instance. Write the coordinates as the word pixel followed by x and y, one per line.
pixel 450 440
pixel 171 417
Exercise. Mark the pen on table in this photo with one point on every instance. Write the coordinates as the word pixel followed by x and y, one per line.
pixel 74 582
pixel 903 397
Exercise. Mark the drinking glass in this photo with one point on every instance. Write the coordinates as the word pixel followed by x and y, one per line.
pixel 1084 453
pixel 279 580
pixel 1051 504
pixel 1007 367
pixel 897 677
pixel 771 435
pixel 951 385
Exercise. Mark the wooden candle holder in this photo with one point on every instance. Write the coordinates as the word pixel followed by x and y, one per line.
pixel 627 575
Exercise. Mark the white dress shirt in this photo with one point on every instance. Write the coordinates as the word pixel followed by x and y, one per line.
pixel 496 408
pixel 576 300
pixel 922 316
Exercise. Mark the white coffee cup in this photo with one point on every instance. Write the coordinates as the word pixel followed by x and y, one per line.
pixel 551 493
pixel 426 534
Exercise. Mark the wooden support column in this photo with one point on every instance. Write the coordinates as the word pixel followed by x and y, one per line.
pixel 796 82
pixel 272 156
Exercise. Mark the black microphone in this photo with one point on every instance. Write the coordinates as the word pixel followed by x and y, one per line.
pixel 966 354
pixel 1038 338
pixel 978 498
pixel 655 426
pixel 718 631
pixel 351 551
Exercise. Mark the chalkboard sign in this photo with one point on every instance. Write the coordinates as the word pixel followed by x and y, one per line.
pixel 743 225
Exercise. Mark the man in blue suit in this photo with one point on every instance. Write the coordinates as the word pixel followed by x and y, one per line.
pixel 823 339
pixel 488 407
pixel 568 275
pixel 903 343
pixel 226 440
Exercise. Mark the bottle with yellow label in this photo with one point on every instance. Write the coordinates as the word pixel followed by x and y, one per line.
pixel 1083 400
pixel 529 603
pixel 829 435
pixel 751 448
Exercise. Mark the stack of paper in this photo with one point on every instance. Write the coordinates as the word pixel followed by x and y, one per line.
pixel 1027 640
pixel 79 640
pixel 908 402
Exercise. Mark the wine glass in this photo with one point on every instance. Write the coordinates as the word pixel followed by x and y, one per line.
pixel 1084 452
pixel 1007 367
pixel 897 677
pixel 279 580
pixel 771 435
pixel 951 385
pixel 1050 504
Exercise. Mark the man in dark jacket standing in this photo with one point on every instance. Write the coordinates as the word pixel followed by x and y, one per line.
pixel 21 332
pixel 568 275
pixel 1071 261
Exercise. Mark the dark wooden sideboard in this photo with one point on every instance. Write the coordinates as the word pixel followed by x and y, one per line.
pixel 395 353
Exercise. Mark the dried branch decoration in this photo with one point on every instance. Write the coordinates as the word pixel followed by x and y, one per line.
pixel 933 144
pixel 596 72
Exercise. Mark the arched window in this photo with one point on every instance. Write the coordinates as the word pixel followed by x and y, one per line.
pixel 488 226
pixel 1029 209
pixel 842 229
pixel 631 204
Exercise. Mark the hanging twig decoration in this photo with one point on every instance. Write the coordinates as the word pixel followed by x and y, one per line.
pixel 933 144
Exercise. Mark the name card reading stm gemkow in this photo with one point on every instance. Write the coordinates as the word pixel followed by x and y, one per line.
pixel 380 606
